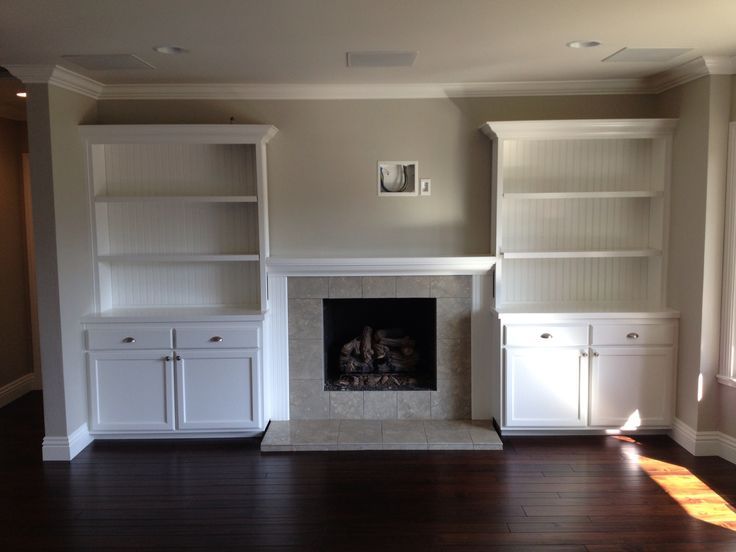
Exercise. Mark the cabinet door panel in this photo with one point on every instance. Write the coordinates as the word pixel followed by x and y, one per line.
pixel 131 391
pixel 545 387
pixel 218 390
pixel 632 387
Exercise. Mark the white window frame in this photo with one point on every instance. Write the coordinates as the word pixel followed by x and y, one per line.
pixel 727 368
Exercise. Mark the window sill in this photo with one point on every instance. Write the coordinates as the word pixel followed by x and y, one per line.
pixel 726 380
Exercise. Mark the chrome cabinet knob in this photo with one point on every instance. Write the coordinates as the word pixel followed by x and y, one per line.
pixel 632 335
pixel 546 335
pixel 167 358
pixel 129 340
pixel 596 354
pixel 178 357
pixel 584 354
pixel 216 339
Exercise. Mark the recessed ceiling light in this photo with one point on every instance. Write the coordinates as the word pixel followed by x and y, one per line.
pixel 583 44
pixel 171 50
pixel 22 94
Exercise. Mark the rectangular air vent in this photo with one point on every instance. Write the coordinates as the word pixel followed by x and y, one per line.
pixel 647 55
pixel 394 58
pixel 109 62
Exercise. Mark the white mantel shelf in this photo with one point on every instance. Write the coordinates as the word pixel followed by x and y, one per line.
pixel 379 266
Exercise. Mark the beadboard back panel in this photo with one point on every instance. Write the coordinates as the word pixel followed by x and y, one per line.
pixel 575 224
pixel 176 169
pixel 575 281
pixel 197 284
pixel 580 165
pixel 178 228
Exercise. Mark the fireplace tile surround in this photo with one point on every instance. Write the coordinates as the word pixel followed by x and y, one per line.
pixel 307 398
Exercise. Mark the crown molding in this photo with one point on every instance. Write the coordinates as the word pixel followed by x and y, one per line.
pixel 654 84
pixel 690 71
pixel 58 76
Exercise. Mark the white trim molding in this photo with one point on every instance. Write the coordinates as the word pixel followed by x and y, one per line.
pixel 726 371
pixel 65 448
pixel 386 266
pixel 58 76
pixel 16 389
pixel 704 443
pixel 653 84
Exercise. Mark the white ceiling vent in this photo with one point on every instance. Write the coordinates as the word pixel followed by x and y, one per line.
pixel 111 62
pixel 647 55
pixel 393 58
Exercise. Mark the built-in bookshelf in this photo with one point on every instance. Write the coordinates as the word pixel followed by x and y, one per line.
pixel 179 216
pixel 580 214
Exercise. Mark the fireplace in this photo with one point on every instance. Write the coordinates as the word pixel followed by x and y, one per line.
pixel 380 344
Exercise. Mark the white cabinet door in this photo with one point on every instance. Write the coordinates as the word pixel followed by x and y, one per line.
pixel 545 387
pixel 131 391
pixel 631 387
pixel 218 390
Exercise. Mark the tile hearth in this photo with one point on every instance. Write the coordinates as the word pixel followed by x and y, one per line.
pixel 320 435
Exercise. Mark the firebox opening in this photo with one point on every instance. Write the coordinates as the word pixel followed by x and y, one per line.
pixel 380 344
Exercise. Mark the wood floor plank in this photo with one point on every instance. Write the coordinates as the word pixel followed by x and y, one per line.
pixel 546 494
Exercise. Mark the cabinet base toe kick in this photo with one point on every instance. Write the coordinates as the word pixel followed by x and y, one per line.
pixel 192 435
pixel 588 431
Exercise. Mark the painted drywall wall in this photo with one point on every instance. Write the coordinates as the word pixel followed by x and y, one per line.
pixel 15 325
pixel 696 234
pixel 322 165
pixel 62 245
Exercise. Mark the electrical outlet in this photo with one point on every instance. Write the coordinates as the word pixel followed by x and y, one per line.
pixel 425 186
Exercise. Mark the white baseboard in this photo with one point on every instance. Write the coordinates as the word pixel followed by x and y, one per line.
pixel 66 448
pixel 16 389
pixel 704 443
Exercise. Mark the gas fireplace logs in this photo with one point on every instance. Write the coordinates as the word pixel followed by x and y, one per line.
pixel 379 352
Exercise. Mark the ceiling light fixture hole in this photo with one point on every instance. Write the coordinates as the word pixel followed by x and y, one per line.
pixel 170 50
pixel 583 44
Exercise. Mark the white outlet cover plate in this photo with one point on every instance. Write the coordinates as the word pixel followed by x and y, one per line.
pixel 425 186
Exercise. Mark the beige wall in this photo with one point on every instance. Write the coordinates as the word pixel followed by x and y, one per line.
pixel 15 325
pixel 696 234
pixel 322 165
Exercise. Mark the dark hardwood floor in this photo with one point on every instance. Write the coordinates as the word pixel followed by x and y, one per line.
pixel 539 494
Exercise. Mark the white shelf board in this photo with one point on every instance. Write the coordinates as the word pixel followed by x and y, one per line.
pixel 175 314
pixel 581 254
pixel 583 195
pixel 177 199
pixel 176 258
pixel 518 312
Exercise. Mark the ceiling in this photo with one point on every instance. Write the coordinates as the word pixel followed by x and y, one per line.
pixel 305 41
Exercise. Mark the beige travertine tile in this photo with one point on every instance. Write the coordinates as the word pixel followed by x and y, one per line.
pixel 447 433
pixel 360 432
pixel 451 286
pixel 404 432
pixel 453 358
pixel 451 401
pixel 346 287
pixel 305 319
pixel 453 318
pixel 412 286
pixel 305 359
pixel 315 432
pixel 305 287
pixel 346 405
pixel 413 405
pixel 308 400
pixel 379 405
pixel 379 286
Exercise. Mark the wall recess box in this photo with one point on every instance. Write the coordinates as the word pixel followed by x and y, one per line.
pixel 397 178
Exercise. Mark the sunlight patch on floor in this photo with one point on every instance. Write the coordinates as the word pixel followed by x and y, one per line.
pixel 695 497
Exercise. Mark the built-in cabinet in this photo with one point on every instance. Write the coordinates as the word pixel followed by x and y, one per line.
pixel 180 238
pixel 579 230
